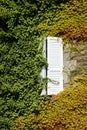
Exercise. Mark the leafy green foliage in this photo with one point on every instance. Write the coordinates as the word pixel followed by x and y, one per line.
pixel 20 62
pixel 67 21
pixel 65 111
pixel 22 23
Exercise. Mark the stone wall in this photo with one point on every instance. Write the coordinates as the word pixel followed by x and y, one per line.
pixel 75 61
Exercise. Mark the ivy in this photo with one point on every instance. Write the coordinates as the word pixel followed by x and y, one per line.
pixel 20 63
pixel 22 23
pixel 67 21
pixel 64 111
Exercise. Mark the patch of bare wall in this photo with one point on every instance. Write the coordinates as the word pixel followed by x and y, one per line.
pixel 75 61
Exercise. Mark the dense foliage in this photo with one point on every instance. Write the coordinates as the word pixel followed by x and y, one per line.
pixel 22 23
pixel 65 111
pixel 68 21
pixel 20 62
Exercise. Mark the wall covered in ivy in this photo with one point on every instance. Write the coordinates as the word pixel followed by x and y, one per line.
pixel 22 24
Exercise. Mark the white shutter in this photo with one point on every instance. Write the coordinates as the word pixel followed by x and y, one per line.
pixel 55 68
pixel 55 65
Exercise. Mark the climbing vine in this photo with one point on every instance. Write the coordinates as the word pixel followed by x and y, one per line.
pixel 22 24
